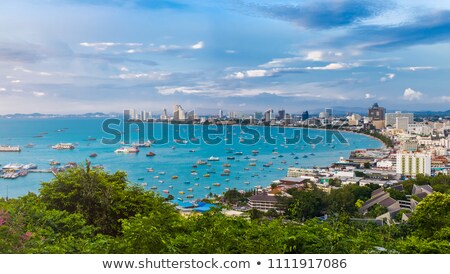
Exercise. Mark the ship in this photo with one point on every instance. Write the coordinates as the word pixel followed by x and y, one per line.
pixel 212 158
pixel 63 146
pixel 127 150
pixel 10 149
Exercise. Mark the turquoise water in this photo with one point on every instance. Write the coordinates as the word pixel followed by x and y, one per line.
pixel 175 159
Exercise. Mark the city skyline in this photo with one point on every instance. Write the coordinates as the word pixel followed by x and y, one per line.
pixel 79 56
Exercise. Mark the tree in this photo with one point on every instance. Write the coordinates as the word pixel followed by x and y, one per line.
pixel 103 199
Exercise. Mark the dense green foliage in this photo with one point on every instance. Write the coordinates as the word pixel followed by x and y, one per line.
pixel 90 211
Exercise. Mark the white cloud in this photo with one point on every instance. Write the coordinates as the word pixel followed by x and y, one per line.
pixel 199 45
pixel 445 98
pixel 106 45
pixel 149 76
pixel 38 93
pixel 369 96
pixel 242 104
pixel 15 81
pixel 281 62
pixel 230 51
pixel 416 68
pixel 411 94
pixel 315 55
pixel 124 69
pixel 255 73
pixel 333 66
pixel 388 76
pixel 2 89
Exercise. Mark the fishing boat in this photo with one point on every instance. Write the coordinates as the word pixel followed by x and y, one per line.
pixel 150 154
pixel 126 150
pixel 93 155
pixel 212 158
pixel 174 177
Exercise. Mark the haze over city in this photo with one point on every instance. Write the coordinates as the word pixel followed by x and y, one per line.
pixel 78 56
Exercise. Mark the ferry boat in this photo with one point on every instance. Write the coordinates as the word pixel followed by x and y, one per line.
pixel 13 166
pixel 29 166
pixel 212 158
pixel 145 144
pixel 62 146
pixel 126 150
pixel 10 149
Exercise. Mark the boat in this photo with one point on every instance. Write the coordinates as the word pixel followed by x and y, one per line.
pixel 280 156
pixel 191 150
pixel 29 166
pixel 11 175
pixel 190 196
pixel 140 178
pixel 93 155
pixel 190 189
pixel 196 184
pixel 63 146
pixel 91 139
pixel 154 187
pixel 238 153
pixel 144 184
pixel 226 171
pixel 305 156
pixel 255 151
pixel 246 157
pixel 150 169
pixel 180 199
pixel 181 192
pixel 312 154
pixel 156 177
pixel 216 184
pixel 170 187
pixel 145 144
pixel 161 181
pixel 296 157
pixel 174 177
pixel 212 158
pixel 247 183
pixel 211 171
pixel 266 165
pixel 252 164
pixel 162 173
pixel 201 162
pixel 127 150
pixel 224 174
pixel 54 163
pixel 226 165
pixel 194 173
pixel 207 187
pixel 150 154
pixel 29 145
pixel 187 182
pixel 246 168
pixel 165 191
pixel 231 157
pixel 206 175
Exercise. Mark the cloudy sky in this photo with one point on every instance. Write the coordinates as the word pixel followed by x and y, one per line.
pixel 77 56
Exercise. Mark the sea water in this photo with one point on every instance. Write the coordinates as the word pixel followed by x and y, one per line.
pixel 173 158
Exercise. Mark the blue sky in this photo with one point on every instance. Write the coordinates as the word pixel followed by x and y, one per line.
pixel 77 56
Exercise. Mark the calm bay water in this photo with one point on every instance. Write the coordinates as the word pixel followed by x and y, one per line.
pixel 175 159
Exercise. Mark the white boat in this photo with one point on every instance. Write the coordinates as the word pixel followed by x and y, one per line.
pixel 29 166
pixel 13 166
pixel 127 150
pixel 212 158
pixel 145 144
pixel 150 169
pixel 62 146
pixel 161 172
pixel 10 149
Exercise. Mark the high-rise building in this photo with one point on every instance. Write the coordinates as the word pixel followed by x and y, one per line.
pixel 305 115
pixel 281 114
pixel 178 113
pixel 328 112
pixel 268 115
pixel 191 115
pixel 143 116
pixel 411 164
pixel 164 115
pixel 220 113
pixel 127 115
pixel 391 118
pixel 376 112
pixel 402 123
